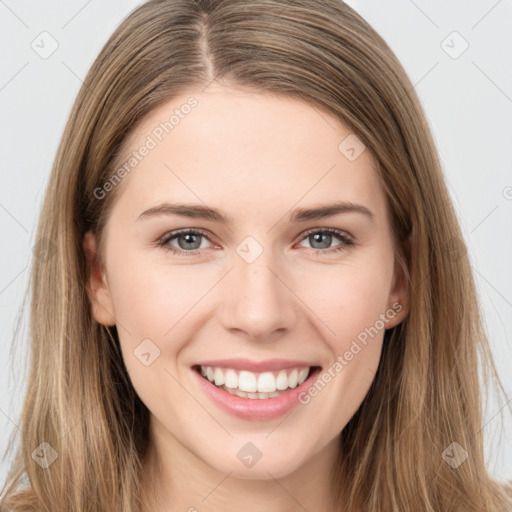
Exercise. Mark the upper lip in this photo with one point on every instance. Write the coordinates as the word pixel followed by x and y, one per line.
pixel 268 365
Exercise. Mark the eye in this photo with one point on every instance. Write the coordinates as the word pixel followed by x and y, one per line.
pixel 189 241
pixel 324 237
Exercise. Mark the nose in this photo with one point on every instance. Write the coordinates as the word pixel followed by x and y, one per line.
pixel 257 300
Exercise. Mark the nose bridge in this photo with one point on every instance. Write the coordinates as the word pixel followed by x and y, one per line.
pixel 257 300
pixel 257 281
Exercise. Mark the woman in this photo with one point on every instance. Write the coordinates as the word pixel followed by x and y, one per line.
pixel 251 371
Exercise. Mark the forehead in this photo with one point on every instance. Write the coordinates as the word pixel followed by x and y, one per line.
pixel 233 144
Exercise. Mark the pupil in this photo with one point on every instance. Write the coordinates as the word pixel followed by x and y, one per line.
pixel 188 241
pixel 326 243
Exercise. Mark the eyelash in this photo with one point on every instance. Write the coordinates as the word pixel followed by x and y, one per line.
pixel 164 241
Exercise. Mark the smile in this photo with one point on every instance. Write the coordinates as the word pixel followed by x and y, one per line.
pixel 255 395
pixel 252 385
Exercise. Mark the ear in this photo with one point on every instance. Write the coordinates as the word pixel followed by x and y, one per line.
pixel 96 284
pixel 399 298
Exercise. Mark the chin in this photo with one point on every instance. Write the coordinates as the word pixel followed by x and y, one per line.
pixel 271 464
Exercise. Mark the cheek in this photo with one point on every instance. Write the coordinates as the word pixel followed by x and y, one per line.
pixel 162 303
pixel 152 309
pixel 151 297
pixel 348 300
pixel 351 305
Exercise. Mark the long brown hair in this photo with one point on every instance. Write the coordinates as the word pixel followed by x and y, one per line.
pixel 426 394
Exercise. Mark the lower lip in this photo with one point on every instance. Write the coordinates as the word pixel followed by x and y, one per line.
pixel 257 408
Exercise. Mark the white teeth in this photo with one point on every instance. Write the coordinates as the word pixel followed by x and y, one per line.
pixel 252 385
pixel 219 377
pixel 247 381
pixel 292 378
pixel 303 375
pixel 231 379
pixel 282 380
pixel 266 382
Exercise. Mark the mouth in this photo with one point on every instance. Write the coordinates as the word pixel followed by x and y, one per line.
pixel 252 385
pixel 252 394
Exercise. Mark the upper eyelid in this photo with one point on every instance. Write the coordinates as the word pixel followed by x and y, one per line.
pixel 328 230
pixel 176 233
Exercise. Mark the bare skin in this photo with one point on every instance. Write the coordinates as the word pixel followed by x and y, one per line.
pixel 257 158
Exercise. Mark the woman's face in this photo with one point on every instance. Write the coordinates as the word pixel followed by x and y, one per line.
pixel 273 286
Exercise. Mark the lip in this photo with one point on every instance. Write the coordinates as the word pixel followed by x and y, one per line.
pixel 254 409
pixel 270 365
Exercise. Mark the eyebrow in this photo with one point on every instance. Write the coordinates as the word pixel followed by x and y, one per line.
pixel 198 211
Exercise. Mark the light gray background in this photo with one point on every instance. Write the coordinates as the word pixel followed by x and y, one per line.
pixel 468 101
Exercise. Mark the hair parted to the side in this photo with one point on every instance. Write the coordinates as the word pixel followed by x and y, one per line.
pixel 427 391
